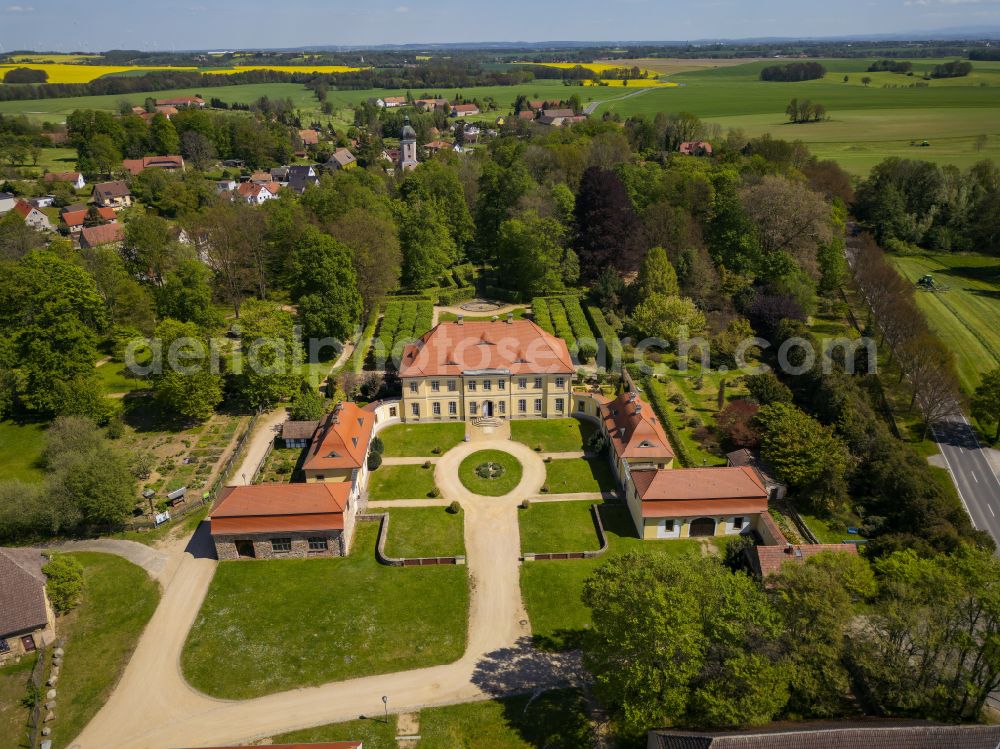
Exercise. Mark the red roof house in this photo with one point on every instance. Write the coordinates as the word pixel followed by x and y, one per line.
pixel 137 166
pixel 95 236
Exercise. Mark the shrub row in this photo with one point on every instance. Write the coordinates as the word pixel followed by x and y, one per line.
pixel 540 313
pixel 562 316
pixel 453 296
pixel 357 361
pixel 606 333
pixel 657 396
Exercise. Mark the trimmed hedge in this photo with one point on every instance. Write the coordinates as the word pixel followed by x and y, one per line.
pixel 563 316
pixel 540 313
pixel 357 360
pixel 454 296
pixel 657 396
pixel 606 333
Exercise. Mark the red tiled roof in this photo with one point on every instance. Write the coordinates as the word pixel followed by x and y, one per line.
pixel 519 346
pixel 341 440
pixel 22 598
pixel 92 236
pixel 76 218
pixel 634 429
pixel 268 508
pixel 394 99
pixel 137 166
pixel 309 137
pixel 61 176
pixel 689 491
pixel 182 100
pixel 526 114
pixel 116 189
pixel 252 189
pixel 768 560
pixel 464 108
pixel 24 208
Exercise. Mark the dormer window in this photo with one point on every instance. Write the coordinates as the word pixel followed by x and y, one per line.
pixel 645 443
pixel 355 441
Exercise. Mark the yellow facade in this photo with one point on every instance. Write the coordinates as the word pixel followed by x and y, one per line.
pixel 495 393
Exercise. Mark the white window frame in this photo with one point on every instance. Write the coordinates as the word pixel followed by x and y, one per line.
pixel 522 405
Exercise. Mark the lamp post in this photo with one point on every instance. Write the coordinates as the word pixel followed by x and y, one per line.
pixel 385 704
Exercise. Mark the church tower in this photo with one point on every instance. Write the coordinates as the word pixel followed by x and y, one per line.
pixel 407 147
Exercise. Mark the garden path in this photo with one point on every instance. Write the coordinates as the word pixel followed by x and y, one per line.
pixel 153 707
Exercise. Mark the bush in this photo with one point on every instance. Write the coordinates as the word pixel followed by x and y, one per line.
pixel 548 459
pixel 545 488
pixel 435 451
pixel 434 493
pixel 538 447
pixel 427 464
pixel 115 428
pixel 65 582
pixel 597 443
pixel 374 461
pixel 525 504
pixel 377 445
pixel 454 508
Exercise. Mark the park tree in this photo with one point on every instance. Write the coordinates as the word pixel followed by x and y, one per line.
pixel 817 602
pixel 667 317
pixel 705 654
pixel 149 249
pixel 52 315
pixel 17 238
pixel 232 235
pixel 375 253
pixel 325 288
pixel 500 188
pixel 307 404
pixel 186 295
pixel 63 582
pixel 608 232
pixel 438 181
pixel 735 423
pixel 797 446
pixel 185 383
pixel 657 275
pixel 986 400
pixel 86 479
pixel 163 139
pixel 427 245
pixel 99 155
pixel 929 645
pixel 197 149
pixel 531 255
pixel 271 354
pixel 127 302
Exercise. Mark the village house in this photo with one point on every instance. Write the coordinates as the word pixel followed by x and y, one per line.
pixel 32 216
pixel 486 370
pixel 744 457
pixel 181 101
pixel 301 177
pixel 309 137
pixel 464 110
pixel 26 618
pixel 7 202
pixel 526 114
pixel 74 216
pixel 341 158
pixel 271 521
pixel 112 195
pixel 95 236
pixel 560 117
pixel 768 559
pixel 225 185
pixel 138 166
pixel 43 201
pixel 431 104
pixel 391 101
pixel 257 194
pixel 298 434
pixel 695 148
pixel 339 448
pixel 74 178
pixel 436 146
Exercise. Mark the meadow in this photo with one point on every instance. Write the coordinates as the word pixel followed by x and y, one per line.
pixel 866 123
pixel 965 316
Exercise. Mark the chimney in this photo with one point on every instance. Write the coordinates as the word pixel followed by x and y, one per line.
pixel 789 548
pixel 638 409
pixel 458 320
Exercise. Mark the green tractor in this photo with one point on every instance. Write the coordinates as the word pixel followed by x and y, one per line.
pixel 927 283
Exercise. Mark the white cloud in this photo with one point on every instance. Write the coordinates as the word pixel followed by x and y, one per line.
pixel 19 9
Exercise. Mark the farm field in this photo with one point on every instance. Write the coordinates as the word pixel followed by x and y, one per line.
pixel 965 316
pixel 867 123
pixel 302 98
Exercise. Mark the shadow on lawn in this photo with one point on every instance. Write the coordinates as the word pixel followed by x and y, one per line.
pixel 523 668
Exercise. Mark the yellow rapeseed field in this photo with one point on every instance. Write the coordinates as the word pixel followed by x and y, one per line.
pixel 67 72
pixel 597 67
pixel 54 58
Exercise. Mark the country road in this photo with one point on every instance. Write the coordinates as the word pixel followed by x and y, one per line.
pixel 592 107
pixel 972 473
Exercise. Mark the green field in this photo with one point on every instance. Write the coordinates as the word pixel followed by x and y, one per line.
pixel 20 448
pixel 866 124
pixel 964 317
pixel 421 440
pixel 425 532
pixel 289 635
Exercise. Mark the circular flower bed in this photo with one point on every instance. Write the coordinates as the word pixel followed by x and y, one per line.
pixel 491 473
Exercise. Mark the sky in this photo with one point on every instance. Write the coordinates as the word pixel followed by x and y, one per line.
pixel 71 25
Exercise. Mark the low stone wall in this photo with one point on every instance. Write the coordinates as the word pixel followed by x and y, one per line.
pixel 383 558
pixel 598 527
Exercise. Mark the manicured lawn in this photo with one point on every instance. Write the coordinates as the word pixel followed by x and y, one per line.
pixel 99 637
pixel 579 475
pixel 420 440
pixel 271 625
pixel 490 487
pixel 425 532
pixel 558 526
pixel 372 732
pixel 401 482
pixel 554 435
pixel 826 531
pixel 116 378
pixel 552 719
pixel 13 717
pixel 20 449
pixel 965 316
pixel 551 589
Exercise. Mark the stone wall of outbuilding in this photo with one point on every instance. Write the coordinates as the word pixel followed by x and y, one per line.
pixel 225 545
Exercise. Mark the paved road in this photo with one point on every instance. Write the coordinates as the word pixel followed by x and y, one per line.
pixel 972 472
